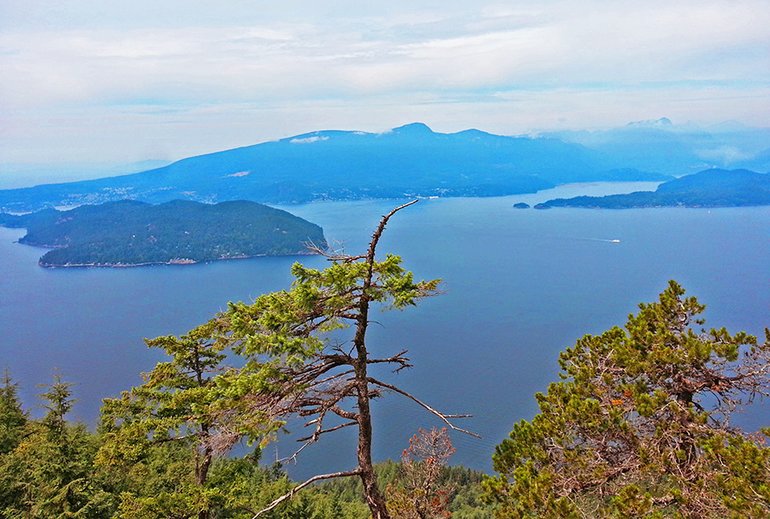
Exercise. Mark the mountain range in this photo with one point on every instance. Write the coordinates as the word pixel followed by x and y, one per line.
pixel 677 149
pixel 415 161
pixel 411 160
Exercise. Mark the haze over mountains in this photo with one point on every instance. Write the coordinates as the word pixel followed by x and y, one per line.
pixel 413 160
pixel 662 146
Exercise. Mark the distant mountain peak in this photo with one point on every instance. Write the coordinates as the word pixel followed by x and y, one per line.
pixel 413 129
pixel 474 132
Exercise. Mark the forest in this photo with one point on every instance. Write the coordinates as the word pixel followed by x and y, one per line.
pixel 130 233
pixel 638 424
pixel 709 188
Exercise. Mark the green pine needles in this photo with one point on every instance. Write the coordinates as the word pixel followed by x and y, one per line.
pixel 243 374
pixel 639 426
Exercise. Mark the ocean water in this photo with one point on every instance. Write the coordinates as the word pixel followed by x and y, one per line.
pixel 518 287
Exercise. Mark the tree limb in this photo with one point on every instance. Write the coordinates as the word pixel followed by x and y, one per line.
pixel 316 434
pixel 299 487
pixel 443 416
pixel 378 233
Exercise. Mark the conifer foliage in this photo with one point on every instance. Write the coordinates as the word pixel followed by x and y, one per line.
pixel 639 426
pixel 248 370
pixel 46 466
pixel 12 418
pixel 295 368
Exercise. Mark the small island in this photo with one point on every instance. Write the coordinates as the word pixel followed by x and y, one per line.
pixel 709 188
pixel 521 205
pixel 130 233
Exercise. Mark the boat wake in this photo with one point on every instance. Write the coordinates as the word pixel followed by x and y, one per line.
pixel 603 240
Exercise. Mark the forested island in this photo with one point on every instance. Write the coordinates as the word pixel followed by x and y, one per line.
pixel 130 233
pixel 709 188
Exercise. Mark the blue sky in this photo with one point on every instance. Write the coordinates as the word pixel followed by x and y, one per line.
pixel 91 83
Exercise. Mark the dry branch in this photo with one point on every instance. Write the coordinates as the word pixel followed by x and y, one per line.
pixel 299 487
pixel 446 418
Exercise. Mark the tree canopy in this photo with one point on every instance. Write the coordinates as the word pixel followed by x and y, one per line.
pixel 639 425
pixel 287 358
pixel 131 233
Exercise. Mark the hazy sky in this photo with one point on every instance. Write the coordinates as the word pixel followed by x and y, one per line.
pixel 108 81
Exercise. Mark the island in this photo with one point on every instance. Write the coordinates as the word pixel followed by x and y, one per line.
pixel 130 233
pixel 709 188
pixel 521 205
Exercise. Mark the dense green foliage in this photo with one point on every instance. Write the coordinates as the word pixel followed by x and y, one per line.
pixel 709 188
pixel 47 470
pixel 180 402
pixel 52 468
pixel 281 363
pixel 12 418
pixel 134 233
pixel 639 425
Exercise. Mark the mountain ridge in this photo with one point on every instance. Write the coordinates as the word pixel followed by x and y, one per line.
pixel 708 188
pixel 408 161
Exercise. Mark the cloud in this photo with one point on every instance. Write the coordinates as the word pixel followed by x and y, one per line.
pixel 619 42
pixel 309 140
pixel 95 70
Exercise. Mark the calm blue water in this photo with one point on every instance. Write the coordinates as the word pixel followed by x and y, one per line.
pixel 520 285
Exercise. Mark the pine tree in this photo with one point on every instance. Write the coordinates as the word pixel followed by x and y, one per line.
pixel 50 471
pixel 13 419
pixel 639 426
pixel 180 402
pixel 285 363
pixel 294 368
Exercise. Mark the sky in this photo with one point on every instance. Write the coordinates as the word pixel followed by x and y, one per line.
pixel 90 85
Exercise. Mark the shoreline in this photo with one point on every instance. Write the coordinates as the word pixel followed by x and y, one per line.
pixel 171 262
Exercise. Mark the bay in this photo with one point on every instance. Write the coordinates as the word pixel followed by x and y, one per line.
pixel 518 287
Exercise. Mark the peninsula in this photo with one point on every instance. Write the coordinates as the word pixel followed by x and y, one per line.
pixel 709 188
pixel 130 233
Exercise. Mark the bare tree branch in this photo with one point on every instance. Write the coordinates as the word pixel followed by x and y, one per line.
pixel 398 358
pixel 446 418
pixel 315 436
pixel 380 228
pixel 299 487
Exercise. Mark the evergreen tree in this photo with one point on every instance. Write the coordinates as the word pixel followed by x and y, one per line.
pixel 13 419
pixel 50 471
pixel 293 368
pixel 13 427
pixel 179 402
pixel 639 426
pixel 285 365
